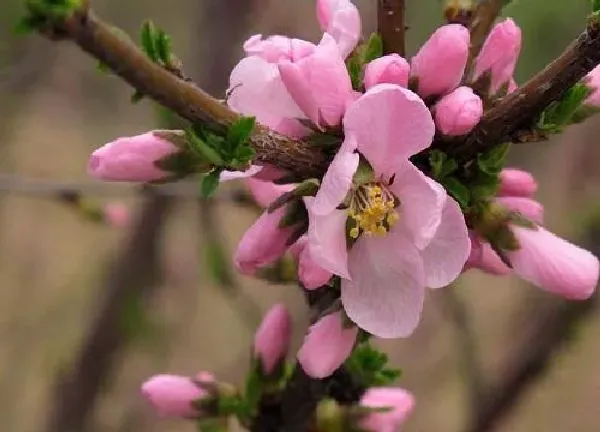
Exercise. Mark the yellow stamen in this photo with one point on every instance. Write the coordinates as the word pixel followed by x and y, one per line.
pixel 373 210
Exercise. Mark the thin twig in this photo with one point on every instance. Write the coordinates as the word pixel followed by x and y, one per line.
pixel 391 26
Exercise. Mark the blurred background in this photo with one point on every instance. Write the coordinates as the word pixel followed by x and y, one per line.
pixel 87 311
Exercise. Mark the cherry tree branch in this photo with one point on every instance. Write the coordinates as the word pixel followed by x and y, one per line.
pixel 391 26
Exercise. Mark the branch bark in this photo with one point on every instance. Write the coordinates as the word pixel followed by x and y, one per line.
pixel 391 26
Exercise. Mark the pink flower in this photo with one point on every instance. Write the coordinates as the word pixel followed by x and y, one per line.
pixel 265 192
pixel 554 264
pixel 319 83
pixel 499 54
pixel 276 48
pixel 326 346
pixel 310 273
pixel 528 207
pixel 173 395
pixel 116 214
pixel 440 63
pixel 131 159
pixel 263 243
pixel 485 259
pixel 272 339
pixel 399 401
pixel 458 112
pixel 340 18
pixel 408 234
pixel 516 182
pixel 592 81
pixel 391 69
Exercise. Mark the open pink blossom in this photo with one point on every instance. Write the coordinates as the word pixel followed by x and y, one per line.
pixel 340 18
pixel 399 402
pixel 319 83
pixel 132 159
pixel 391 69
pixel 554 264
pixel 440 63
pixel 516 182
pixel 326 346
pixel 272 339
pixel 458 112
pixel 276 48
pixel 592 81
pixel 499 54
pixel 409 234
pixel 173 395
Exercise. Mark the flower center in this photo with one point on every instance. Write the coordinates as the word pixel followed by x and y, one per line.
pixel 372 210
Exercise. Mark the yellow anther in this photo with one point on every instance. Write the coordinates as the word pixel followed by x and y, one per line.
pixel 372 209
pixel 354 232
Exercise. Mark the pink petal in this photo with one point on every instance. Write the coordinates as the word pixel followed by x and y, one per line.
pixel 458 112
pixel 326 346
pixel 310 273
pixel 327 239
pixel 346 29
pixel 390 124
pixel 400 402
pixel 484 258
pixel 234 175
pixel 592 82
pixel 385 295
pixel 391 69
pixel 256 89
pixel 338 179
pixel 516 182
pixel 272 338
pixel 529 208
pixel 554 264
pixel 173 395
pixel 422 201
pixel 264 192
pixel 446 254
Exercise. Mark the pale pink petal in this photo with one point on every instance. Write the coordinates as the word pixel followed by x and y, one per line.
pixel 458 112
pixel 173 395
pixel 264 192
pixel 445 256
pixel 385 295
pixel 345 27
pixel 390 124
pixel 516 182
pixel 422 201
pixel 299 88
pixel 256 89
pixel 337 180
pixel 391 69
pixel 310 273
pixel 234 175
pixel 592 81
pixel 554 264
pixel 399 401
pixel 326 346
pixel 327 239
pixel 272 338
pixel 529 208
pixel 485 259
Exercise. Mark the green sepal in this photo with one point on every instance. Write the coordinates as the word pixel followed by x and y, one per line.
pixel 209 183
pixel 148 36
pixel 373 48
pixel 364 173
pixel 458 191
pixel 239 132
pixel 204 148
pixel 441 165
pixel 180 163
pixel 369 366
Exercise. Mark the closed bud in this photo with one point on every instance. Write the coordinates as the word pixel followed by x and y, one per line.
pixel 516 182
pixel 310 273
pixel 391 69
pixel 174 395
pixel 459 112
pixel 272 339
pixel 132 159
pixel 391 406
pixel 592 81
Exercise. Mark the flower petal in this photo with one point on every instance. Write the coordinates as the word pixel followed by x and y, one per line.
pixel 386 293
pixel 327 239
pixel 529 208
pixel 445 257
pixel 264 192
pixel 391 124
pixel 422 201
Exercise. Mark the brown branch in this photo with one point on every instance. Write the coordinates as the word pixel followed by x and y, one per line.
pixel 518 112
pixel 124 58
pixel 133 277
pixel 391 26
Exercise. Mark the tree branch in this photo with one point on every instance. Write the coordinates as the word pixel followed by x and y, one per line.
pixel 123 57
pixel 391 26
pixel 518 112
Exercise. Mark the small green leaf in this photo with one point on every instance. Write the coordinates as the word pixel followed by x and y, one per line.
pixel 163 47
pixel 441 165
pixel 209 183
pixel 494 160
pixel 354 66
pixel 240 131
pixel 373 48
pixel 254 388
pixel 204 149
pixel 370 366
pixel 595 5
pixel 148 35
pixel 561 113
pixel 458 190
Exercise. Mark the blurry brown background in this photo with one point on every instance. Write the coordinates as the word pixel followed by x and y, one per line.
pixel 162 310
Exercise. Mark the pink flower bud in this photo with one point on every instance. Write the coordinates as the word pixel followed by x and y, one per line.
pixel 440 63
pixel 499 54
pixel 326 346
pixel 276 48
pixel 311 274
pixel 554 264
pixel 116 215
pixel 319 84
pixel 263 243
pixel 592 81
pixel 516 182
pixel 272 339
pixel 484 258
pixel 528 207
pixel 391 69
pixel 173 395
pixel 459 112
pixel 264 192
pixel 131 159
pixel 400 403
pixel 340 18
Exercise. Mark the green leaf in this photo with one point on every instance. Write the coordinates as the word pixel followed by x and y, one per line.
pixel 373 48
pixel 240 131
pixel 595 5
pixel 370 366
pixel 148 36
pixel 163 47
pixel 205 149
pixel 561 113
pixel 254 388
pixel 441 165
pixel 494 160
pixel 458 190
pixel 209 183
pixel 354 66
